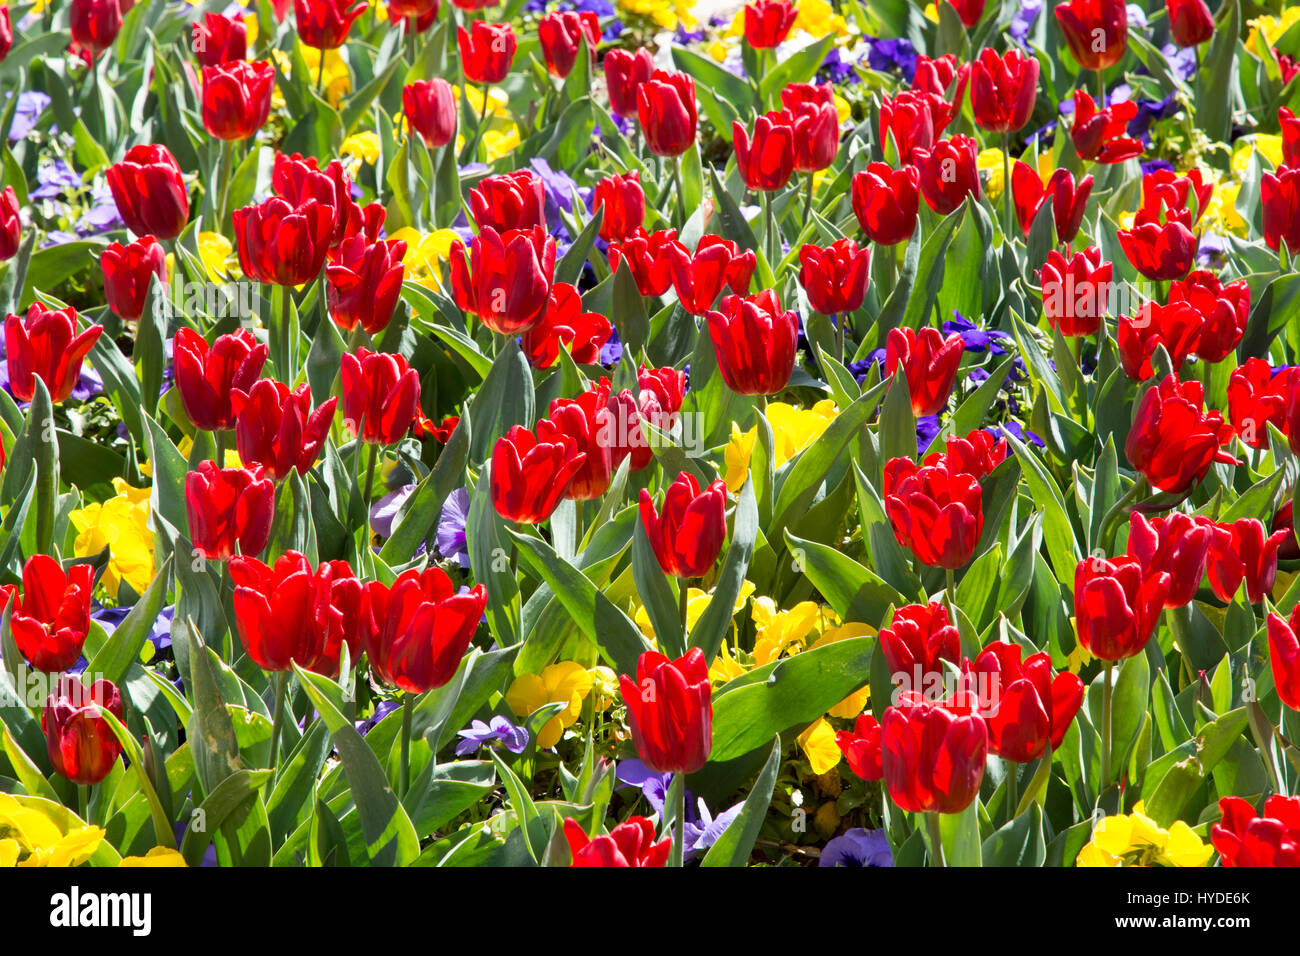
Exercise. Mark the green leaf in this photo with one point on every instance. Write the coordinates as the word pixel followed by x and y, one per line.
pixel 230 795
pixel 711 628
pixel 1018 843
pixel 657 594
pixel 123 646
pixel 737 841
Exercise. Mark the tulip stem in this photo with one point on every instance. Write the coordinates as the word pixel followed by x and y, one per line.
pixel 1013 788
pixel 769 220
pixel 952 594
pixel 684 589
pixel 1007 202
pixel 808 200
pixel 681 190
pixel 839 333
pixel 1117 510
pixel 227 155
pixel 1101 88
pixel 282 345
pixel 83 801
pixel 281 686
pixel 677 799
pixel 1105 726
pixel 404 767
pixel 480 120
pixel 936 839
pixel 219 436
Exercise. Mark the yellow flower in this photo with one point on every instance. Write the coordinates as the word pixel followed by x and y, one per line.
pixel 725 667
pixel 158 856
pixel 932 12
pixel 842 109
pixel 1080 657
pixel 1137 840
pixel 1221 213
pixel 232 459
pixel 856 702
pixel 336 79
pixel 425 252
pixel 818 745
pixel 696 603
pixel 498 143
pixel 604 685
pixel 1272 27
pixel 120 524
pixel 718 50
pixel 782 632
pixel 1268 145
pixel 793 430
pixel 29 837
pixel 736 456
pixel 989 162
pixel 498 103
pixel 215 250
pixel 818 18
pixel 667 13
pixel 566 682
pixel 360 148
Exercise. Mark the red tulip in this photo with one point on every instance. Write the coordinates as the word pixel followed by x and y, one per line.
pixel 1280 196
pixel 1283 521
pixel 815 94
pixel 1030 709
pixel 381 395
pixel 1288 67
pixel 1224 310
pixel 755 343
pixel 914 119
pixel 127 273
pixel 51 615
pixel 512 201
pixel 1068 201
pixel 665 106
pixel 237 98
pixel 1003 90
pixel 561 35
pixel 948 173
pixel 1173 441
pixel 229 510
pixel 430 108
pixel 1176 545
pixel 94 23
pixel 418 10
pixel 666 385
pixel 367 222
pixel 6 35
pixel 1116 605
pixel 670 711
pixel 531 473
pixel 623 200
pixel 699 277
pixel 688 536
pixel 1258 395
pixel 766 162
pixel 1270 839
pixel 648 259
pixel 628 844
pixel 835 278
pixel 417 631
pixel 1241 551
pixel 932 755
pixel 861 747
pixel 45 343
pixel 929 362
pixel 1160 249
pixel 1190 22
pixel 206 376
pixel 816 136
pixel 969 11
pixel 564 323
pixel 278 429
pixel 938 515
pixel 976 455
pixel 282 244
pixel 1100 134
pixel 1166 188
pixel 626 439
pixel 1076 293
pixel 625 71
pixel 1177 327
pixel 508 278
pixel 487 51
pixel 290 613
pixel 886 202
pixel 1293 417
pixel 219 39
pixel 936 74
pixel 917 641
pixel 1290 124
pixel 1284 657
pixel 1096 31
pixel 78 740
pixel 586 420
pixel 149 192
pixel 768 22
pixel 364 283
pixel 11 226
pixel 324 24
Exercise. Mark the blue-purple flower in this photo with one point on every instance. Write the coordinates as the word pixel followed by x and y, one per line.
pixel 451 527
pixel 857 847
pixel 498 731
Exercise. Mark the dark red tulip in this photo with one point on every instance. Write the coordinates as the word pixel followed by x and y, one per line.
pixel 665 106
pixel 949 173
pixel 835 278
pixel 1100 135
pixel 511 201
pixel 700 277
pixel 324 24
pixel 487 51
pixel 1076 293
pixel 768 22
pixel 1173 440
pixel 1283 521
pixel 219 39
pixel 430 108
pixel 283 244
pixel 969 11
pixel 623 200
pixel 917 641
pixel 1177 545
pixel 1268 839
pixel 1116 605
pixel 531 473
pixel 670 711
pixel 561 35
pixel 932 755
pixel 1280 197
pixel 914 120
pixel 278 429
pixel 688 536
pixel 1224 310
pixel 45 343
pixel 587 421
pixel 237 98
pixel 1284 656
pixel 82 747
pixel 367 221
pixel 929 362
pixel 1177 327
pixel 648 258
pixel 816 136
pixel 128 271
pixel 381 394
pixel 95 23
pixel 149 192
pixel 755 343
pixel 976 455
pixel 861 747
pixel 507 278
pixel 207 375
pixel 1096 31
pixel 1030 708
pixel 1068 200
pixel 886 202
pixel 1258 395
pixel 51 613
pixel 565 324
pixel 1003 90
pixel 6 33
pixel 1190 22
pixel 625 71
pixel 418 10
pixel 11 226
pixel 766 162
pixel 1290 124
pixel 1242 551
pixel 629 844
pixel 1175 193
pixel 291 613
pixel 938 515
pixel 1160 249
pixel 417 631
pixel 229 510
pixel 364 283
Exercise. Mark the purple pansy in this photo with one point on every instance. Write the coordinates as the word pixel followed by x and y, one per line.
pixel 857 847
pixel 451 527
pixel 498 731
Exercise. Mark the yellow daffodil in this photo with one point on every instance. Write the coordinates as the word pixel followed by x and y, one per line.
pixel 818 18
pixel 856 702
pixel 215 250
pixel 566 682
pixel 1137 840
pixel 793 430
pixel 425 253
pixel 158 856
pixel 989 162
pixel 1272 27
pixel 358 149
pixel 818 745
pixel 29 837
pixel 120 524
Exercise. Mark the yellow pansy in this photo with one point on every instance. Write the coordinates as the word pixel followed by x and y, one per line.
pixel 498 143
pixel 736 455
pixel 932 12
pixel 725 667
pixel 120 524
pixel 1136 840
pixel 989 162
pixel 856 702
pixel 604 686
pixel 360 148
pixel 818 745
pixel 667 14
pixel 158 856
pixel 1080 657
pixel 842 109
pixel 1268 145
pixel 696 603
pixel 782 632
pixel 818 18
pixel 718 50
pixel 215 250
pixel 793 430
pixel 566 682
pixel 498 103
pixel 336 80
pixel 425 253
pixel 1272 27
pixel 1221 213
pixel 28 837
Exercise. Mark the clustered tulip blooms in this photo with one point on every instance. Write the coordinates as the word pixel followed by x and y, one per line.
pixel 1271 838
pixel 631 843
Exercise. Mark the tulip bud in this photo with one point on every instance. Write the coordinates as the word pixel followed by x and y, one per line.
pixel 79 742
pixel 507 279
pixel 886 202
pixel 381 395
pixel 486 51
pixel 623 201
pixel 766 162
pixel 932 756
pixel 237 98
pixel 1096 31
pixel 417 630
pixel 648 258
pixel 768 22
pixel 324 24
pixel 1003 90
pixel 1190 22
pixel 835 278
pixel 219 39
pixel 625 71
pixel 1116 605
pixel 206 376
pixel 364 283
pixel 430 108
pixel 949 173
pixel 278 429
pixel 930 363
pixel 95 23
pixel 688 536
pixel 561 35
pixel 754 342
pixel 667 112
pixel 149 192
pixel 128 271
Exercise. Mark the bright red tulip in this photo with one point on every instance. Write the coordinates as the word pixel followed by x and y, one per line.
pixel 861 747
pixel 229 510
pixel 1284 657
pixel 1258 395
pixel 1177 545
pixel 932 755
pixel 1280 197
pixel 430 108
pixel 219 39
pixel 1243 551
pixel 296 179
pixel 1096 31
pixel 929 362
pixel 936 74
pixel 1190 22
pixel 511 201
pixel 487 51
pixel 1159 249
pixel 324 24
pixel 237 98
pixel 914 120
pixel 670 711
pixel 1116 605
pixel 1100 135
pixel 11 226
pixel 969 11
pixel 1068 200
pixel 766 162
pixel 623 200
pixel 625 71
pixel 886 202
pixel 1224 310
pixel 667 385
pixel 1173 441
pixel 700 277
pixel 51 613
pixel 626 438
pixel 688 536
pixel 755 343
pixel 128 271
pixel 938 515
pixel 815 94
pixel 149 192
pixel 531 473
pixel 816 136
pixel 507 279
pixel 364 283
pixel 95 23
pixel 648 259
pixel 1076 293
pixel 949 173
pixel 282 244
pixel 561 35
pixel 6 34
pixel 1268 839
pixel 418 10
pixel 665 106
pixel 587 421
pixel 1177 327
pixel 78 740
pixel 1030 708
pixel 278 429
pixel 1003 90
pixel 835 278
pixel 976 455
pixel 207 375
pixel 768 22
pixel 628 844
pixel 565 324
pixel 45 343
pixel 381 395
pixel 1290 124
pixel 917 641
